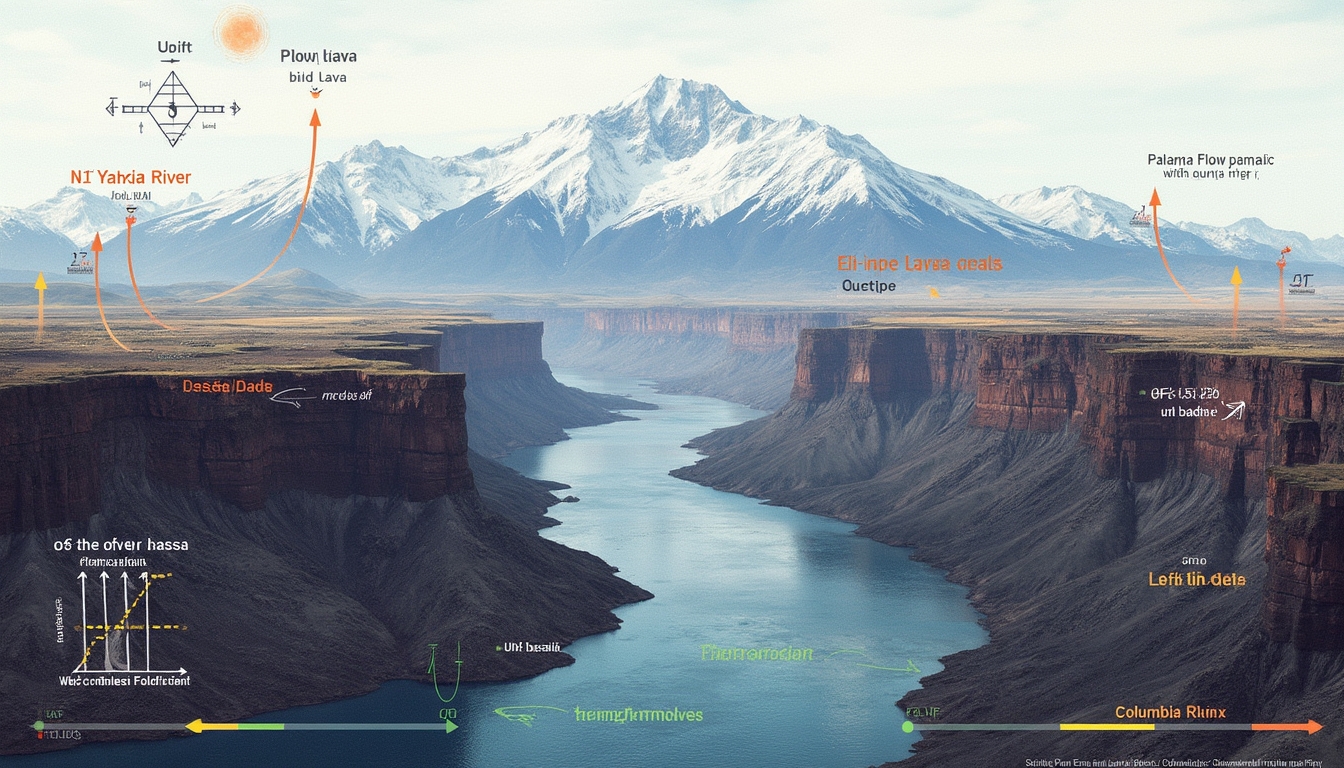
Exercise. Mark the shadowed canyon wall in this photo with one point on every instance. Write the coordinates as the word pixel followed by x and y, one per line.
pixel 406 437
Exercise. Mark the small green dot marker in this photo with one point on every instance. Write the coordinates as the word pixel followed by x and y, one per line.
pixel 908 727
pixel 499 647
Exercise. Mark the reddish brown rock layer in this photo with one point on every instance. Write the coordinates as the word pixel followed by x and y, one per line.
pixel 1304 597
pixel 58 440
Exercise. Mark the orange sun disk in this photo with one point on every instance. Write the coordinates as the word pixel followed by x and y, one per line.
pixel 241 32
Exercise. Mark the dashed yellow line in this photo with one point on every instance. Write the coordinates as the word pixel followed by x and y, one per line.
pixel 130 626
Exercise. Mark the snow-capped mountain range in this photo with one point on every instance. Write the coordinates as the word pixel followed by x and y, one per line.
pixel 677 184
pixel 1091 216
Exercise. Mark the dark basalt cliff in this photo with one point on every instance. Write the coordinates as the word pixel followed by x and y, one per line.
pixel 512 399
pixel 330 541
pixel 407 439
pixel 1040 471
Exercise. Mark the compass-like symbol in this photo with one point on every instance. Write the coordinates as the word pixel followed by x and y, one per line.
pixel 172 108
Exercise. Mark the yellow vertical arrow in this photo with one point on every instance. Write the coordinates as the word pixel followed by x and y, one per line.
pixel 1236 297
pixel 41 286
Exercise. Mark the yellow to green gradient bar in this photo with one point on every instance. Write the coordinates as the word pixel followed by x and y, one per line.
pixel 1107 727
pixel 196 726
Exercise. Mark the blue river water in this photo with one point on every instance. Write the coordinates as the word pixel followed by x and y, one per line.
pixel 726 571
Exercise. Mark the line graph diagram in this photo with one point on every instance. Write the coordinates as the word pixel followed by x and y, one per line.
pixel 109 647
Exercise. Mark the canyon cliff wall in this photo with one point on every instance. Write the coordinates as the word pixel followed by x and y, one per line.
pixel 493 350
pixel 1101 386
pixel 1304 546
pixel 1051 473
pixel 406 437
pixel 512 399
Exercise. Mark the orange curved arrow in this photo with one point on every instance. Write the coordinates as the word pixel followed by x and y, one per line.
pixel 1282 262
pixel 1153 203
pixel 312 162
pixel 97 249
pixel 131 268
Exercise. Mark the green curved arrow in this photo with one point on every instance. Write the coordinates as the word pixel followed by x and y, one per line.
pixel 433 672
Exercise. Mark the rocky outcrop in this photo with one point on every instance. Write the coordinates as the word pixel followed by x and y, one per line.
pixel 512 399
pixel 1304 546
pixel 386 435
pixel 491 350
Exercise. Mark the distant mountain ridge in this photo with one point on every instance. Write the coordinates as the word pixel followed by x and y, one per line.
pixel 676 187
pixel 676 178
pixel 1090 216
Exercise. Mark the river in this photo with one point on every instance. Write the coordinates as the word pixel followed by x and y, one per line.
pixel 726 572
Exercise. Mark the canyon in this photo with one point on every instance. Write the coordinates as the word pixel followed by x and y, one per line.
pixel 735 354
pixel 336 516
pixel 1039 469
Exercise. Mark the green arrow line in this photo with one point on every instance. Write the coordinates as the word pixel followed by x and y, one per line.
pixel 909 667
pixel 525 718
pixel 845 650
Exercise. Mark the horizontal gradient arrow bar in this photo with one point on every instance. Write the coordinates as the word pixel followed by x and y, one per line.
pixel 1311 726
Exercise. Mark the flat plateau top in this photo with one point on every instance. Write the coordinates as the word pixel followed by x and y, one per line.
pixel 222 343
pixel 225 341
pixel 1314 337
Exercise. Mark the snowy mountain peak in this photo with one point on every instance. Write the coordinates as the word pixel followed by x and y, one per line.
pixel 78 213
pixel 1076 211
pixel 676 116
pixel 674 100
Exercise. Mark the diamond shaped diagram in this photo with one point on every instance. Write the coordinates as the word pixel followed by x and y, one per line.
pixel 172 109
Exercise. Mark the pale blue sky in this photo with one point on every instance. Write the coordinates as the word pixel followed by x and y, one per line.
pixel 998 96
